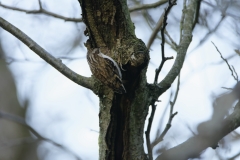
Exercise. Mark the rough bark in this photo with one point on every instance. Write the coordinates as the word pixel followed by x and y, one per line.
pixel 121 117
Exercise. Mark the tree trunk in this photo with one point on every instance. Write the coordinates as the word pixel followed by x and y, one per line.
pixel 122 116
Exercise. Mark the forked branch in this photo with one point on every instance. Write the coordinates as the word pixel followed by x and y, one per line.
pixel 164 59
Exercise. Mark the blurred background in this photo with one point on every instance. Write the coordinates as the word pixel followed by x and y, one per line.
pixel 33 94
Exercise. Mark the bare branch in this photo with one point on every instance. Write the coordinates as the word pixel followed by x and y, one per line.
pixel 150 120
pixel 164 21
pixel 185 40
pixel 227 88
pixel 235 72
pixel 43 11
pixel 164 59
pixel 155 30
pixel 182 18
pixel 20 120
pixel 197 13
pixel 86 82
pixel 211 131
pixel 147 6
pixel 171 116
pixel 232 70
pixel 40 4
pixel 212 30
pixel 189 149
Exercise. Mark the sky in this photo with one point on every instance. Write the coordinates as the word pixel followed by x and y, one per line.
pixel 63 111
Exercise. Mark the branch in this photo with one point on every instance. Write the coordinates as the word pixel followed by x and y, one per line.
pixel 162 22
pixel 235 72
pixel 86 82
pixel 182 18
pixel 20 120
pixel 211 31
pixel 185 40
pixel 43 11
pixel 189 149
pixel 147 6
pixel 210 132
pixel 197 13
pixel 232 70
pixel 164 59
pixel 147 133
pixel 230 89
pixel 171 116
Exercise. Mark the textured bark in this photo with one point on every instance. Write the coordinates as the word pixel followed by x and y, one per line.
pixel 122 116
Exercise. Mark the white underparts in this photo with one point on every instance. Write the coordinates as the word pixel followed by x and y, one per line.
pixel 115 63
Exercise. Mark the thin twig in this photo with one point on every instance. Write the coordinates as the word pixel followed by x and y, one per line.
pixel 164 59
pixel 147 133
pixel 171 116
pixel 235 72
pixel 40 4
pixel 231 89
pixel 56 63
pixel 154 29
pixel 43 11
pixel 175 98
pixel 234 76
pixel 147 6
pixel 20 120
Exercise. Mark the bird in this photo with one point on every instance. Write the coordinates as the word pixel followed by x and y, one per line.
pixel 106 70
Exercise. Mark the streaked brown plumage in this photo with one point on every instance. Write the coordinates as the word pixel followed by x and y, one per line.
pixel 105 69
